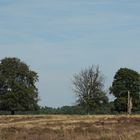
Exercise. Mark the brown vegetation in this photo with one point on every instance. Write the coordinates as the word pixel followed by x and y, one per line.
pixel 69 127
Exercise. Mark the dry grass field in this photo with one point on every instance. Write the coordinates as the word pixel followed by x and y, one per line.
pixel 65 127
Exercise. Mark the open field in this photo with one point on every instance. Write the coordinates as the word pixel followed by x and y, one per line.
pixel 65 127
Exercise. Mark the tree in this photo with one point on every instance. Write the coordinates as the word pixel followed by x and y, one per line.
pixel 17 86
pixel 126 89
pixel 88 86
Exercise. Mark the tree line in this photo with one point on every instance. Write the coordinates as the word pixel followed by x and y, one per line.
pixel 18 91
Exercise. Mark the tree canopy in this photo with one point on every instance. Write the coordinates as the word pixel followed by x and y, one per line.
pixel 17 86
pixel 88 86
pixel 125 80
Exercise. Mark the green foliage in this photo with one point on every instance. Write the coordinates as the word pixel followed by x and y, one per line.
pixel 17 86
pixel 125 80
pixel 75 110
pixel 120 104
pixel 69 110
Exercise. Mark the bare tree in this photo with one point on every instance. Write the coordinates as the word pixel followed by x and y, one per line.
pixel 88 86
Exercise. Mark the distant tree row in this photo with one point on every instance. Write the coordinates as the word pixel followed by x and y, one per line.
pixel 18 91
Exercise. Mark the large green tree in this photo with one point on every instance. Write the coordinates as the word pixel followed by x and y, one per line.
pixel 18 91
pixel 88 86
pixel 126 81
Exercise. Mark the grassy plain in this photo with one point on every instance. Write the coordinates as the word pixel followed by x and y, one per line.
pixel 66 127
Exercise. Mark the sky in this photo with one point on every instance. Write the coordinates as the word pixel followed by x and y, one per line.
pixel 58 38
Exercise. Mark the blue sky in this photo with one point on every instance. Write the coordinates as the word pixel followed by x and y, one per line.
pixel 58 38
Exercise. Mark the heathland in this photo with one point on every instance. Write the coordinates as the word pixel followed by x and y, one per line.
pixel 70 127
